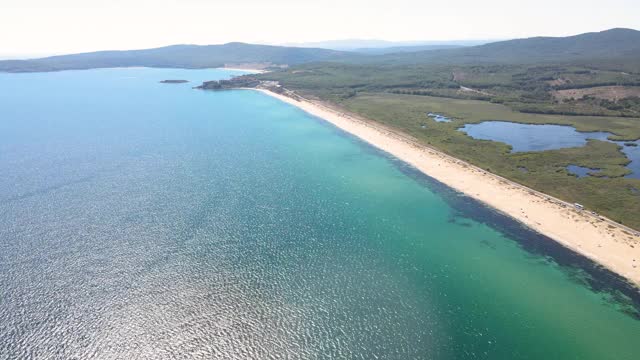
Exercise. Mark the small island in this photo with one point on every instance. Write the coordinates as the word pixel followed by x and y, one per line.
pixel 174 81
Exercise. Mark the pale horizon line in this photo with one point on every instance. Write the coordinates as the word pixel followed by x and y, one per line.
pixel 35 55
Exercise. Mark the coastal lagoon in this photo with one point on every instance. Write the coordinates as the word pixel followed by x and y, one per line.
pixel 536 137
pixel 149 220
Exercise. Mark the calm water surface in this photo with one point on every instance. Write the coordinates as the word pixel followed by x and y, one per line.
pixel 536 137
pixel 581 171
pixel 153 221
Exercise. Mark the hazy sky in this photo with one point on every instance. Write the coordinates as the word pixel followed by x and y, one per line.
pixel 63 26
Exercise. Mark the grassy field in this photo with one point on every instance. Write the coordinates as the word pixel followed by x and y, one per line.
pixel 473 111
pixel 524 88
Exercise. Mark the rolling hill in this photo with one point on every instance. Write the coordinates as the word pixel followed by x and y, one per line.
pixel 615 48
pixel 384 46
pixel 596 46
pixel 403 49
pixel 177 56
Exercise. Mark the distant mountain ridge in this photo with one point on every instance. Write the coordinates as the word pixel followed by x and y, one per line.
pixel 403 49
pixel 358 44
pixel 177 56
pixel 613 43
pixel 615 46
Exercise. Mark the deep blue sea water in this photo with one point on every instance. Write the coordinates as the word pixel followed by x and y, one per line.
pixel 141 220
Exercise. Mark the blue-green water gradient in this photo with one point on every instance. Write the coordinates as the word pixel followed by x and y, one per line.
pixel 154 221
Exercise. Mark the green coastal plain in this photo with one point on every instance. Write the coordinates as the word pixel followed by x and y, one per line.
pixel 398 91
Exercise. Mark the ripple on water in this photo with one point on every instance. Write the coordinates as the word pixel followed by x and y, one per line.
pixel 162 222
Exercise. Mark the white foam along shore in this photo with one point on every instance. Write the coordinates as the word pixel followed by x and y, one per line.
pixel 602 240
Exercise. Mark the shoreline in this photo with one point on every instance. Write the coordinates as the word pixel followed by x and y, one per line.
pixel 603 241
pixel 250 71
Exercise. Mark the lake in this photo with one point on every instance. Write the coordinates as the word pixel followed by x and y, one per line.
pixel 537 137
pixel 149 220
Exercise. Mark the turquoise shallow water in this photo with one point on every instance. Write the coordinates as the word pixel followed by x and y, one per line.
pixel 147 220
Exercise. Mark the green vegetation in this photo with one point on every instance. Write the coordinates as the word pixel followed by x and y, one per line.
pixel 234 83
pixel 617 49
pixel 537 75
pixel 527 88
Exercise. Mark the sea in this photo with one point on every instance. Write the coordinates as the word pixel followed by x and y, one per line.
pixel 143 220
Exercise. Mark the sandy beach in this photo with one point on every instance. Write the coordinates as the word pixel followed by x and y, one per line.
pixel 248 70
pixel 602 240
